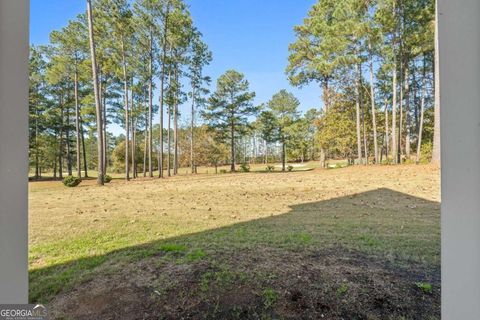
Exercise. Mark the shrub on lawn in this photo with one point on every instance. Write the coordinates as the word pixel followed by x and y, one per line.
pixel 290 168
pixel 270 168
pixel 71 181
pixel 425 287
pixel 343 289
pixel 107 178
pixel 426 152
pixel 270 296
pixel 223 171
pixel 244 167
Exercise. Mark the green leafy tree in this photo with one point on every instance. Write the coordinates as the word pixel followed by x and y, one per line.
pixel 38 104
pixel 279 120
pixel 200 57
pixel 98 107
pixel 229 108
pixel 117 17
pixel 336 131
pixel 314 55
pixel 70 46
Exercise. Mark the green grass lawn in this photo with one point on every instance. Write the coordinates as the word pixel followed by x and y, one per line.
pixel 254 167
pixel 315 242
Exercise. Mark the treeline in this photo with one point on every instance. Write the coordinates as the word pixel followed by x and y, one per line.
pixel 135 49
pixel 374 62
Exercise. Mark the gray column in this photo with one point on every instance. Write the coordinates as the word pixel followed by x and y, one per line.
pixel 13 150
pixel 459 26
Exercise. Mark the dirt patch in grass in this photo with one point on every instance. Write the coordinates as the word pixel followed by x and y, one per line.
pixel 262 283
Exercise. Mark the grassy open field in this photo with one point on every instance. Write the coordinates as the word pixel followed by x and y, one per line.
pixel 351 243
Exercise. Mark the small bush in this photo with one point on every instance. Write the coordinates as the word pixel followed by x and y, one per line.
pixel 424 286
pixel 270 168
pixel 290 168
pixel 223 171
pixel 244 167
pixel 270 296
pixel 426 152
pixel 343 289
pixel 107 178
pixel 71 181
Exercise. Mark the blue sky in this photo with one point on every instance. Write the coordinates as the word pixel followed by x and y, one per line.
pixel 250 36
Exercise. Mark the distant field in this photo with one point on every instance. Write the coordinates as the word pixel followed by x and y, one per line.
pixel 362 241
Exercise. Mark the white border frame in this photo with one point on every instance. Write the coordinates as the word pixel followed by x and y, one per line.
pixel 459 26
pixel 459 41
pixel 14 51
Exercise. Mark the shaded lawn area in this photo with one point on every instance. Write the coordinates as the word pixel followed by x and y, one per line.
pixel 359 242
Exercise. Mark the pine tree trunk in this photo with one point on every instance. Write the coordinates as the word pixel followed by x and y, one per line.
pixel 132 123
pixel 96 94
pixel 55 168
pixel 326 102
pixel 372 98
pixel 357 112
pixel 162 89
pixel 67 138
pixel 400 125
pixel 394 90
pixel 175 126
pixel 127 125
pixel 365 141
pixel 60 145
pixel 436 129
pixel 394 114
pixel 134 148
pixel 77 124
pixel 192 160
pixel 387 138
pixel 169 147
pixel 363 109
pixel 407 112
pixel 145 146
pixel 422 110
pixel 266 151
pixel 416 111
pixel 244 150
pixel 254 143
pixel 104 121
pixel 37 170
pixel 232 147
pixel 150 105
pixel 145 137
pixel 103 107
pixel 326 94
pixel 84 152
pixel 60 165
pixel 284 155
pixel 160 153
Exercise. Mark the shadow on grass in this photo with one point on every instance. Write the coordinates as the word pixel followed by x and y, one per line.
pixel 361 256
